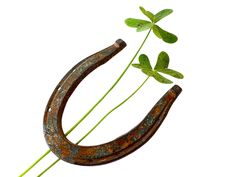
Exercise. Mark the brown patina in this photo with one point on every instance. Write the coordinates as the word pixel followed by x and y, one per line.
pixel 113 150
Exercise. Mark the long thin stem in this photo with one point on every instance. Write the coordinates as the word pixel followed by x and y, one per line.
pixel 37 161
pixel 111 88
pixel 94 106
pixel 99 122
pixel 50 166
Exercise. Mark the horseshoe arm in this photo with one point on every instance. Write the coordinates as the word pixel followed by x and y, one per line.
pixel 113 150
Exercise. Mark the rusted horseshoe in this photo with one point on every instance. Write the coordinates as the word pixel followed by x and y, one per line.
pixel 111 151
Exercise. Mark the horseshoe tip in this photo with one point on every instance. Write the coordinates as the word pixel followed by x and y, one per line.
pixel 177 89
pixel 120 43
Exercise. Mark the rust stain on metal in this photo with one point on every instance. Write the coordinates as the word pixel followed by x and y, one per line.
pixel 108 152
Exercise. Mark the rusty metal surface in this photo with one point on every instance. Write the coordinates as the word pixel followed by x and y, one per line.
pixel 108 152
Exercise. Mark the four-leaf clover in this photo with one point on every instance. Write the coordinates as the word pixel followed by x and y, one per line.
pixel 160 67
pixel 142 25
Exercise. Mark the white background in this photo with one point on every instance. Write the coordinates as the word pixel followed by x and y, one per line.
pixel 41 40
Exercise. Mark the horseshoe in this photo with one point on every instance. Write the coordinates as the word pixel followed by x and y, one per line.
pixel 113 150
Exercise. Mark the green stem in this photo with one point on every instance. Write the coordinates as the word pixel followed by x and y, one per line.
pixel 50 166
pixel 113 109
pixel 99 101
pixel 111 88
pixel 99 122
pixel 37 161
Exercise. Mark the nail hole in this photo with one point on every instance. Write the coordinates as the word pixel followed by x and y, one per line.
pixel 49 109
pixel 74 70
pixel 59 88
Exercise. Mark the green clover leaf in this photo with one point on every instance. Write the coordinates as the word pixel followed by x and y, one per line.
pixel 147 13
pixel 164 35
pixel 162 14
pixel 135 23
pixel 162 79
pixel 142 25
pixel 172 73
pixel 160 67
pixel 144 61
pixel 162 61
